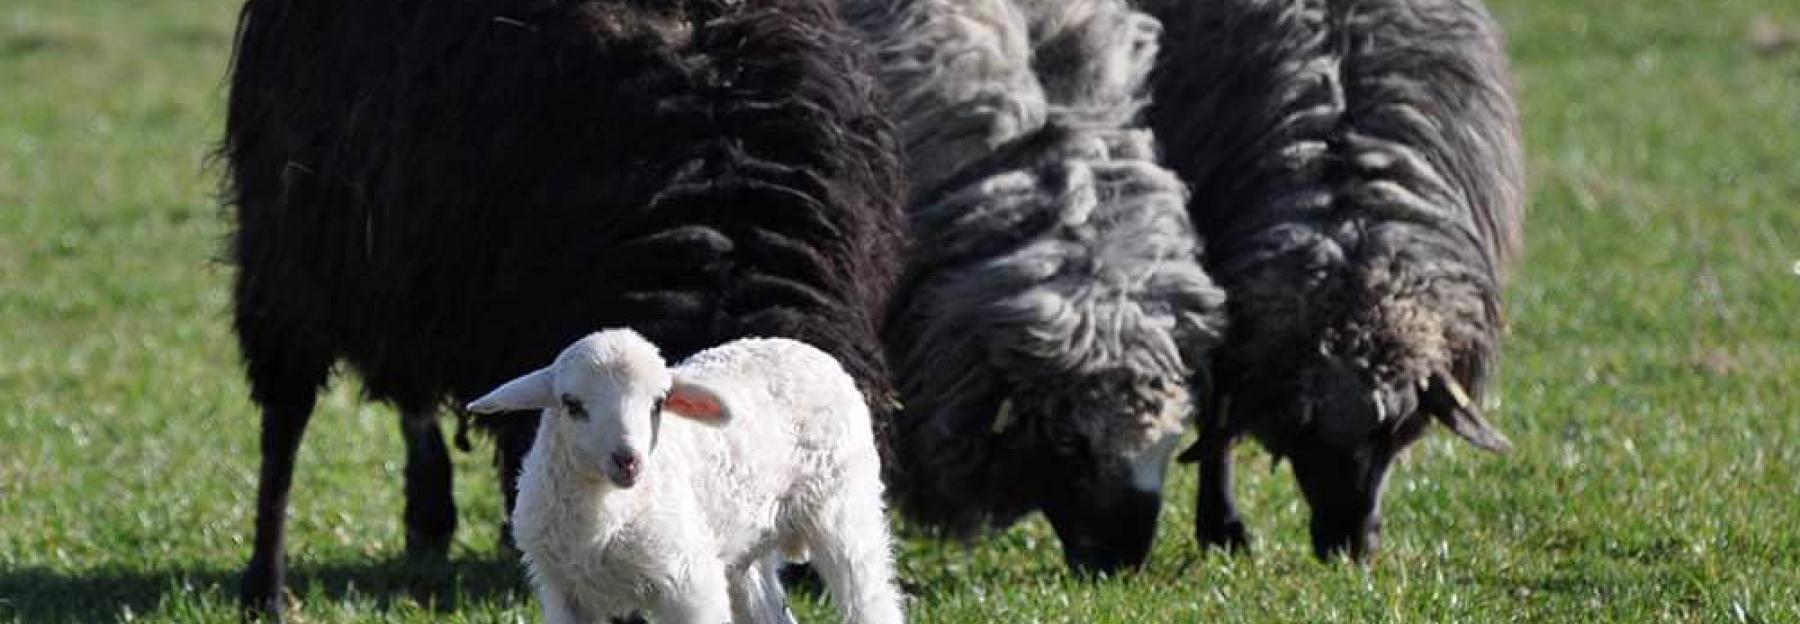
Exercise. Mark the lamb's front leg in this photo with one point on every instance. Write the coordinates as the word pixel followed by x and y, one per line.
pixel 848 537
pixel 700 595
pixel 558 609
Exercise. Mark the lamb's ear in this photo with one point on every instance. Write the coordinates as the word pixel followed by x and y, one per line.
pixel 1447 400
pixel 529 392
pixel 698 402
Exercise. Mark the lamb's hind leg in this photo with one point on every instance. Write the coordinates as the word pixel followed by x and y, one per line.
pixel 757 596
pixel 851 549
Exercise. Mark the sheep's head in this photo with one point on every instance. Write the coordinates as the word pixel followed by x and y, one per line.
pixel 1339 390
pixel 1045 355
pixel 1093 452
pixel 605 396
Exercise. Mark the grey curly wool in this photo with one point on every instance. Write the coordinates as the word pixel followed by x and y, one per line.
pixel 1357 166
pixel 1053 310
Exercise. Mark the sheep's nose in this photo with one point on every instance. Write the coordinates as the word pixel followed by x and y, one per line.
pixel 627 464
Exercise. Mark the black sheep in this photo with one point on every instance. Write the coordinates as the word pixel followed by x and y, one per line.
pixel 445 194
pixel 1356 167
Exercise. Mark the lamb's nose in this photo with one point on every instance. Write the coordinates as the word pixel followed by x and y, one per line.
pixel 628 464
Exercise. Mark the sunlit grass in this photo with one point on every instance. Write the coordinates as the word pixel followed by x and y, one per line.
pixel 1650 383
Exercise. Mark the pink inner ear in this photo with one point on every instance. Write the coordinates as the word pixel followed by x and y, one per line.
pixel 694 405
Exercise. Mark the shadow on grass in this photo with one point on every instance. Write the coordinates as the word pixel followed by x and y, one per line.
pixel 105 594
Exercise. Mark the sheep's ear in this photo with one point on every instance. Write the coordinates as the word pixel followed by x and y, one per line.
pixel 698 402
pixel 1468 423
pixel 1453 407
pixel 530 392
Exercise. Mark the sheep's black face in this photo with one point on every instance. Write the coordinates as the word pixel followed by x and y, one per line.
pixel 1341 432
pixel 1104 526
pixel 1342 486
pixel 1101 457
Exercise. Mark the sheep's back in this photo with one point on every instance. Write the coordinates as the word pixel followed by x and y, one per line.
pixel 1052 255
pixel 447 193
pixel 1340 149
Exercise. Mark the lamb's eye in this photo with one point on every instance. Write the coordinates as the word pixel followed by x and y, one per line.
pixel 574 407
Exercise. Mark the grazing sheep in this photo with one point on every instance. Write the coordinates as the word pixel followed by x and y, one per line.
pixel 1356 166
pixel 620 510
pixel 1053 311
pixel 441 194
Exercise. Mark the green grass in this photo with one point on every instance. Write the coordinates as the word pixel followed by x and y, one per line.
pixel 1650 383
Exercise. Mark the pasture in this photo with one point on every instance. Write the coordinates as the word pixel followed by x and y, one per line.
pixel 1651 382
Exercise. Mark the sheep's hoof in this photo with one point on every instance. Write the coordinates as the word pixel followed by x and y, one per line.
pixel 508 547
pixel 260 604
pixel 260 596
pixel 425 547
pixel 263 610
pixel 1229 536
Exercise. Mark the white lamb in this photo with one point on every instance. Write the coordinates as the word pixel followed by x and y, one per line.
pixel 620 511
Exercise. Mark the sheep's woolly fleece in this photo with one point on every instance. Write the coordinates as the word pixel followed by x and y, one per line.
pixel 1358 165
pixel 1054 269
pixel 442 194
pixel 1358 168
pixel 446 194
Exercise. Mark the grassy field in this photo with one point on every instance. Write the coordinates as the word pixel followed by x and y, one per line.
pixel 1652 384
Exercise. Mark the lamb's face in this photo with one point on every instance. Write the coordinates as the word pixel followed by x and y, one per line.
pixel 1106 448
pixel 604 399
pixel 608 394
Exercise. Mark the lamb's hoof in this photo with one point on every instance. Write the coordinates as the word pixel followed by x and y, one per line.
pixel 1229 536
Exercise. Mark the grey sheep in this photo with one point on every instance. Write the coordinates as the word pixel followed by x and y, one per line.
pixel 1053 311
pixel 1356 166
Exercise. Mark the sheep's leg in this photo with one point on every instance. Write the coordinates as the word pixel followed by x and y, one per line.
pixel 430 504
pixel 1216 521
pixel 283 425
pixel 851 550
pixel 757 596
pixel 283 381
pixel 513 433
